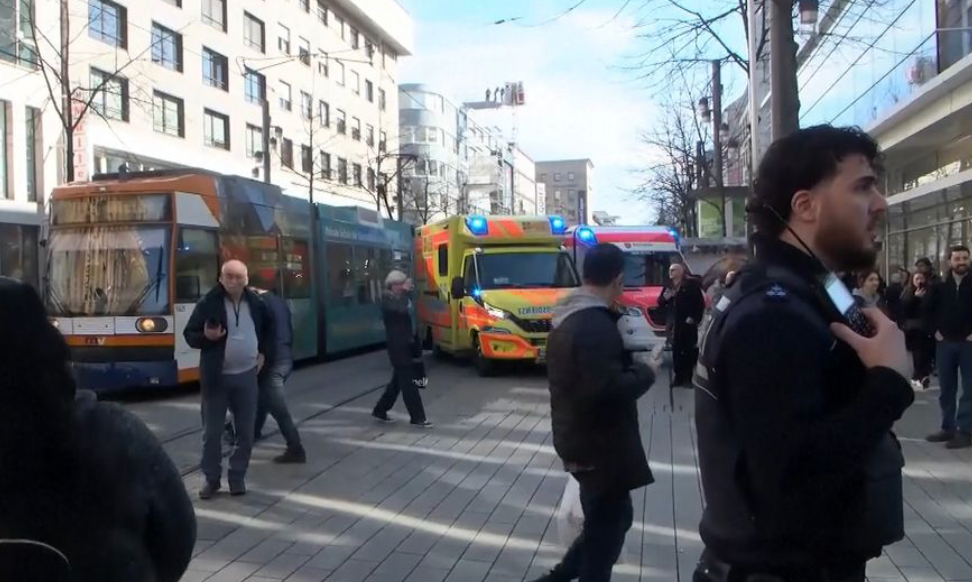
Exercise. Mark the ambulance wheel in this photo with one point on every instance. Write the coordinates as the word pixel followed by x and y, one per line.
pixel 484 366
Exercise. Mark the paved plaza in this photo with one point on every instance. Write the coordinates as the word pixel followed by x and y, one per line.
pixel 475 498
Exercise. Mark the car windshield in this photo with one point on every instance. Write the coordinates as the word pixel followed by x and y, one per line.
pixel 647 269
pixel 526 271
pixel 109 270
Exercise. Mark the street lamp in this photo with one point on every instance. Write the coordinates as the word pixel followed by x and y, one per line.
pixel 809 11
pixel 704 110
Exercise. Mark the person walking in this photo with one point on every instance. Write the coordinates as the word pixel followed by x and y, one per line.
pixel 233 328
pixel 919 342
pixel 396 310
pixel 271 400
pixel 686 304
pixel 800 471
pixel 949 316
pixel 594 391
pixel 87 478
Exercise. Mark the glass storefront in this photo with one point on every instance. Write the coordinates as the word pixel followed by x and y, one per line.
pixel 927 227
pixel 19 252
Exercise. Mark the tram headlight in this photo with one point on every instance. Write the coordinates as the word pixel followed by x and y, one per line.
pixel 151 325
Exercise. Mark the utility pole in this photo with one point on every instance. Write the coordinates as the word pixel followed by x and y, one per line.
pixel 783 79
pixel 266 136
pixel 717 140
pixel 66 104
pixel 753 84
pixel 400 203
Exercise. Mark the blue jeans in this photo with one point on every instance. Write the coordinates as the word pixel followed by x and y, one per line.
pixel 954 356
pixel 238 393
pixel 272 402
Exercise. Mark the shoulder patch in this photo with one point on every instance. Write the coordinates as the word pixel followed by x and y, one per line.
pixel 776 292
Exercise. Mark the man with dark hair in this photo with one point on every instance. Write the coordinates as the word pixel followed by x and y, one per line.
pixel 594 390
pixel 686 304
pixel 948 311
pixel 794 411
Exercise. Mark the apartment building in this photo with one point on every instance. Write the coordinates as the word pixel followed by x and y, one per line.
pixel 569 188
pixel 30 141
pixel 184 83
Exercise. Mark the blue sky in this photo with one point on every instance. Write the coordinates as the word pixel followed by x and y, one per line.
pixel 579 104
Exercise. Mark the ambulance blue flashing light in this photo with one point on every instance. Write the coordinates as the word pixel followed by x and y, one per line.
pixel 678 239
pixel 557 225
pixel 477 292
pixel 478 225
pixel 586 236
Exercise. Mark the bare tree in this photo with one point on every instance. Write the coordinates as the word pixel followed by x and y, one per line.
pixel 424 201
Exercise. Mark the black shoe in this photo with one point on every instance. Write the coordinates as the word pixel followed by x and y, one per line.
pixel 942 436
pixel 926 382
pixel 294 456
pixel 383 417
pixel 237 489
pixel 209 489
pixel 962 440
pixel 423 424
pixel 551 576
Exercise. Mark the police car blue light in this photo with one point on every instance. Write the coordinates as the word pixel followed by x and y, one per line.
pixel 557 225
pixel 477 292
pixel 478 225
pixel 586 236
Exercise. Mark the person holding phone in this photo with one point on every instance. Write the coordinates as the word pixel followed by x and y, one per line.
pixel 794 409
pixel 234 330
pixel 920 343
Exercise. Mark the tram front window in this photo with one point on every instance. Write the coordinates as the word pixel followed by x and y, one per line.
pixel 109 270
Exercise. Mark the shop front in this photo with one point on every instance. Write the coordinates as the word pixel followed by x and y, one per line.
pixel 19 250
pixel 923 224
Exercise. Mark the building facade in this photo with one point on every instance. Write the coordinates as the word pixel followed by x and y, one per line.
pixel 525 197
pixel 569 188
pixel 30 138
pixel 181 83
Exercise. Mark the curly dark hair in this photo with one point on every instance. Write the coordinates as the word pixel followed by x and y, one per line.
pixel 801 161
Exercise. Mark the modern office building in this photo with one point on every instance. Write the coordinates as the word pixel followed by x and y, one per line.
pixel 183 84
pixel 569 189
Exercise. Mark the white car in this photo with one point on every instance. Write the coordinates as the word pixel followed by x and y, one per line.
pixel 637 334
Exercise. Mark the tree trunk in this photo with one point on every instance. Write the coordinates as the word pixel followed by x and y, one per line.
pixel 66 92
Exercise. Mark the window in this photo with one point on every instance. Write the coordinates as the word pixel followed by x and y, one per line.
pixel 357 175
pixel 342 171
pixel 34 134
pixel 543 177
pixel 296 269
pixel 304 51
pixel 382 141
pixel 256 86
pixel 355 38
pixel 431 134
pixel 287 153
pixel 381 99
pixel 111 102
pixel 214 13
pixel 372 181
pixel 325 165
pixel 215 69
pixel 370 135
pixel 340 275
pixel 197 264
pixel 322 12
pixel 306 160
pixel 254 33
pixel 305 4
pixel 5 190
pixel 370 91
pixel 168 114
pixel 570 176
pixel 322 68
pixel 166 47
pixel 444 260
pixel 306 105
pixel 356 129
pixel 557 177
pixel 216 129
pixel 340 73
pixel 344 27
pixel 108 22
pixel 342 124
pixel 283 40
pixel 286 102
pixel 254 140
pixel 324 114
pixel 356 82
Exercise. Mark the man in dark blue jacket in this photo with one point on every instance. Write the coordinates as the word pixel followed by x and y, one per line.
pixel 233 328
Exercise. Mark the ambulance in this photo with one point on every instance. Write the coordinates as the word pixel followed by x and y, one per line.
pixel 486 286
pixel 649 252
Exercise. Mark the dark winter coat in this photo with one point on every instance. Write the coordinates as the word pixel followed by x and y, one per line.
pixel 594 391
pixel 948 309
pixel 686 303
pixel 213 307
pixel 399 335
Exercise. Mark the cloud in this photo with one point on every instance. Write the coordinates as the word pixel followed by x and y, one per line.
pixel 579 105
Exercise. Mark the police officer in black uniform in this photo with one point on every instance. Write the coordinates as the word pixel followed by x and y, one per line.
pixel 802 475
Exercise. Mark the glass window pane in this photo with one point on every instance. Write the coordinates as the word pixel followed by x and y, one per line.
pixel 197 264
pixel 340 275
pixel 18 252
pixel 296 269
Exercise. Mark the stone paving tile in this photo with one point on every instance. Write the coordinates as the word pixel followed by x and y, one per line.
pixel 475 499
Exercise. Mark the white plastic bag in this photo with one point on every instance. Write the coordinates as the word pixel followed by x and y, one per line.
pixel 570 514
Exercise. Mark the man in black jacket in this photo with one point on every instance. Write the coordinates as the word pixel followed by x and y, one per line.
pixel 686 304
pixel 949 318
pixel 234 350
pixel 802 476
pixel 594 390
